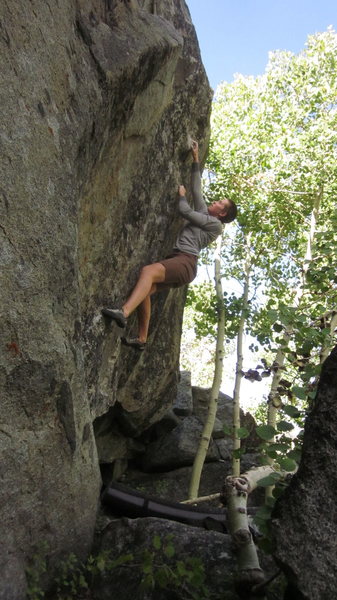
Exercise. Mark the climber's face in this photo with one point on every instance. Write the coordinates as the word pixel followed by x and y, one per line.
pixel 219 208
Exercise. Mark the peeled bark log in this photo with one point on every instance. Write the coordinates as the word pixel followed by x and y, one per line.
pixel 236 492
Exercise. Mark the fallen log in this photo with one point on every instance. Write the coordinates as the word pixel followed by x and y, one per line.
pixel 125 501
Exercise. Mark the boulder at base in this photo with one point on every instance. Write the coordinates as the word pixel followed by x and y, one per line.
pixel 172 559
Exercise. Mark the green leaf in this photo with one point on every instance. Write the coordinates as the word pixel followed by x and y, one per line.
pixel 82 582
pixel 291 411
pixel 263 513
pixel 278 491
pixel 163 577
pixel 284 426
pixel 299 392
pixel 147 582
pixel 147 569
pixel 148 558
pixel 265 432
pixel 242 433
pixel 295 454
pixel 156 542
pixel 169 550
pixel 287 464
pixel 181 569
pixel 101 563
pixel 238 453
pixel 272 315
pixel 123 559
pixel 227 430
pixel 272 454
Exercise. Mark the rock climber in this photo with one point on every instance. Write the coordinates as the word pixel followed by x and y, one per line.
pixel 203 225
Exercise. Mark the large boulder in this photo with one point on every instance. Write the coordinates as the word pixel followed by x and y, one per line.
pixel 173 485
pixel 182 557
pixel 171 444
pixel 305 518
pixel 183 404
pixel 98 100
pixel 224 418
pixel 177 448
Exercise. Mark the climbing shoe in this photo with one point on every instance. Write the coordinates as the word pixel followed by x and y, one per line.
pixel 115 314
pixel 133 343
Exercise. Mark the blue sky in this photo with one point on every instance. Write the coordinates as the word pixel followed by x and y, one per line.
pixel 235 36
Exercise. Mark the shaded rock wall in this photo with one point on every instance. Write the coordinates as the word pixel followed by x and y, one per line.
pixel 98 99
pixel 305 518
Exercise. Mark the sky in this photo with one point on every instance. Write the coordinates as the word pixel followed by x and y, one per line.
pixel 235 36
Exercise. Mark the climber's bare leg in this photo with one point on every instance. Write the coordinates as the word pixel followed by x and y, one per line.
pixel 150 275
pixel 144 315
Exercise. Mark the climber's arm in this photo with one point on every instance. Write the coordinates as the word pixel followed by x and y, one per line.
pixel 199 219
pixel 198 200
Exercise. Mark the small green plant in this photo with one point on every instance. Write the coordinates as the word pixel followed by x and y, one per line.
pixel 161 487
pixel 71 578
pixel 75 577
pixel 35 571
pixel 158 568
pixel 184 575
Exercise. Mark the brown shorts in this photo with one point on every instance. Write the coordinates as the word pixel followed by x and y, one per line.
pixel 180 268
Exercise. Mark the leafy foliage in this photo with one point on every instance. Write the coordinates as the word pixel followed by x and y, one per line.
pixel 35 571
pixel 159 568
pixel 274 152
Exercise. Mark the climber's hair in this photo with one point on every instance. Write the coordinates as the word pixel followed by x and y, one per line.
pixel 231 212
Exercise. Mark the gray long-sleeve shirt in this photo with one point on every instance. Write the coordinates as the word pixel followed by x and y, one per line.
pixel 201 228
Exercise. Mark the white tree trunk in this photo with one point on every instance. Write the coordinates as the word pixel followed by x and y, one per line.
pixel 217 378
pixel 326 349
pixel 239 362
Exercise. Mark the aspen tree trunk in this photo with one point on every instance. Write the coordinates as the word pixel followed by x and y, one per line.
pixel 326 348
pixel 311 235
pixel 274 401
pixel 218 367
pixel 239 363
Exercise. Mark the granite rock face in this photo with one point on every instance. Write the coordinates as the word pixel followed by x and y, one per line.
pixel 98 100
pixel 305 518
